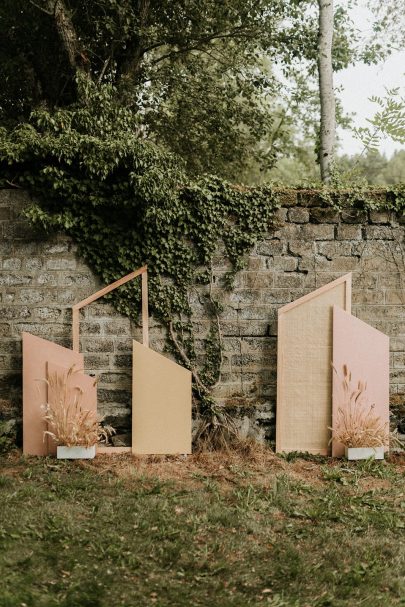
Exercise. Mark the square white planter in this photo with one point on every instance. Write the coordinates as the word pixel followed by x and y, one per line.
pixel 76 452
pixel 357 453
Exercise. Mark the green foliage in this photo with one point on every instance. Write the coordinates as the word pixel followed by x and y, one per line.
pixel 8 435
pixel 127 202
pixel 218 83
pixel 388 121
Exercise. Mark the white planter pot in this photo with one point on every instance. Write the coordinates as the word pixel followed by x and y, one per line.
pixel 356 453
pixel 76 452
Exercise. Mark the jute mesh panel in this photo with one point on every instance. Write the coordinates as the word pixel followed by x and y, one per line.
pixel 304 406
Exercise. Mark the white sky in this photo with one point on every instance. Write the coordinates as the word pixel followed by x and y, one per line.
pixel 361 82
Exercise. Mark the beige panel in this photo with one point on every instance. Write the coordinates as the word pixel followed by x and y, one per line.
pixel 304 372
pixel 161 404
pixel 366 352
pixel 85 383
pixel 36 353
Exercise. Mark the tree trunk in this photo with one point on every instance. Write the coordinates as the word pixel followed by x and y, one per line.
pixel 67 34
pixel 326 93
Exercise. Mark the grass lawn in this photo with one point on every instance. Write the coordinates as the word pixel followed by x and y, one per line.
pixel 214 530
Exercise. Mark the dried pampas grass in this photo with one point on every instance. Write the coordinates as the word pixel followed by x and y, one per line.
pixel 69 423
pixel 357 424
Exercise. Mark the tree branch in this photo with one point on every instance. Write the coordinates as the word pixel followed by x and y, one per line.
pixel 41 8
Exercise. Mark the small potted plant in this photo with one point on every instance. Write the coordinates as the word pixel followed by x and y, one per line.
pixel 75 430
pixel 358 428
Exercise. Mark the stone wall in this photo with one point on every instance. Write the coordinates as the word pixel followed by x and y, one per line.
pixel 41 277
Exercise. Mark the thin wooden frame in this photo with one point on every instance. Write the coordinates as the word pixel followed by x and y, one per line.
pixel 143 272
pixel 118 283
pixel 304 372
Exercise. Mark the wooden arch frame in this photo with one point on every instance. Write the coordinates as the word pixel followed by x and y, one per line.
pixel 143 272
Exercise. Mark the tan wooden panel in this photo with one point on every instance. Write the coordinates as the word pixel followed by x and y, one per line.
pixel 304 372
pixel 36 353
pixel 85 383
pixel 365 351
pixel 161 404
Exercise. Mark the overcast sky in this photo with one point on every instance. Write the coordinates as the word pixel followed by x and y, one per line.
pixel 361 82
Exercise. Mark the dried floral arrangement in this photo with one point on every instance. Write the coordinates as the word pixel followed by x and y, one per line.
pixel 357 424
pixel 69 423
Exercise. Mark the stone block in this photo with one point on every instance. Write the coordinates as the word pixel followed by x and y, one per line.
pixel 284 263
pixel 78 279
pixel 11 264
pixel 55 248
pixel 270 247
pixel 245 328
pixel 245 297
pixel 99 361
pixel 47 279
pixel 47 314
pixel 14 280
pixel 298 215
pixel 337 264
pixel 300 248
pixel 354 216
pixel 122 360
pixel 334 249
pixel 14 313
pixel 368 297
pixel 256 313
pixel 324 215
pixel 256 263
pixel 33 264
pixel 395 297
pixel 349 232
pixel 60 263
pixel 45 330
pixel 379 233
pixel 5 330
pixel 121 326
pixel 312 232
pixel 399 360
pixel 380 217
pixel 289 280
pixel 280 216
pixel 5 213
pixel 255 280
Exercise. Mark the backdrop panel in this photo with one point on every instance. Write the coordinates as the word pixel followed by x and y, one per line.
pixel 36 354
pixel 161 404
pixel 304 371
pixel 365 351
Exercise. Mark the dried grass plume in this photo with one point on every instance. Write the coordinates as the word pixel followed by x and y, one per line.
pixel 69 422
pixel 357 424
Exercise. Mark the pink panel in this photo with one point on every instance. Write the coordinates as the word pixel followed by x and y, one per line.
pixel 365 351
pixel 36 353
pixel 84 382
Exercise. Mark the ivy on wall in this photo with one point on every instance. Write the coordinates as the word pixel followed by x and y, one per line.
pixel 128 202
